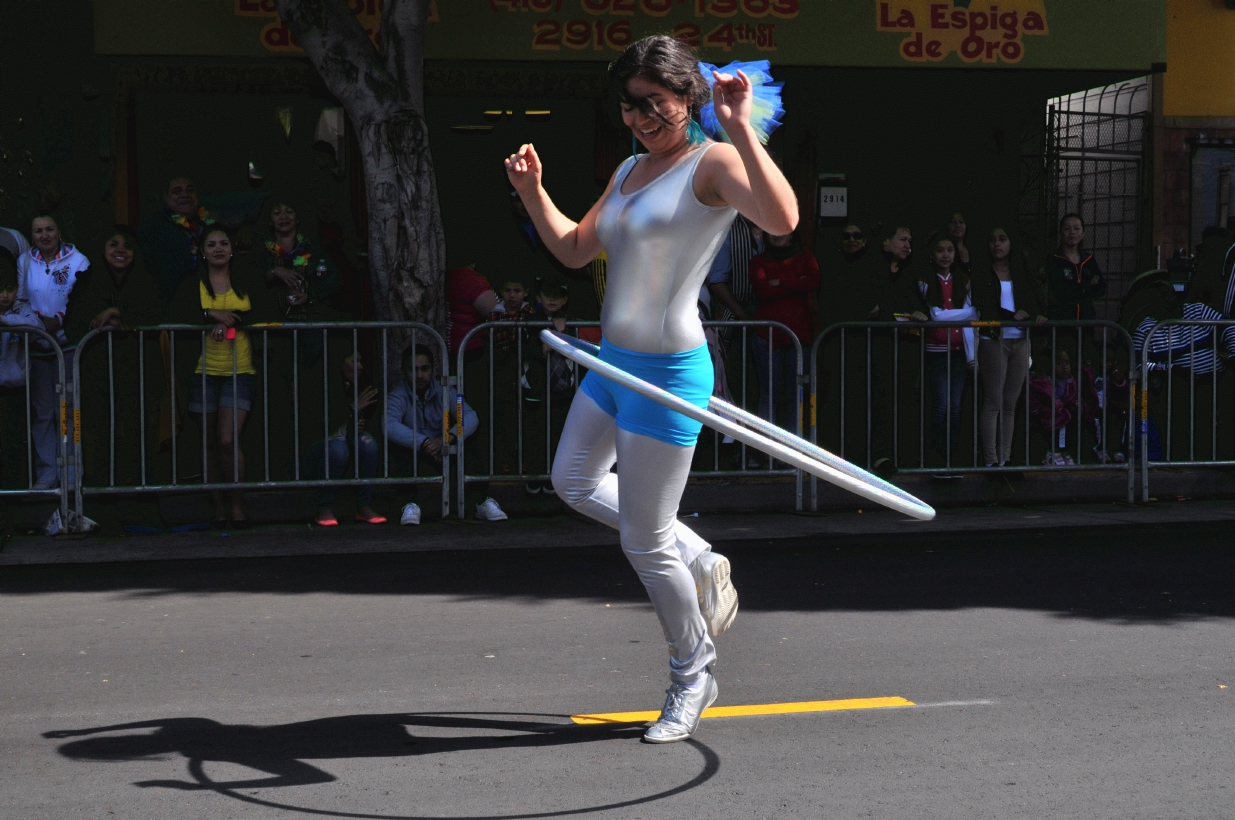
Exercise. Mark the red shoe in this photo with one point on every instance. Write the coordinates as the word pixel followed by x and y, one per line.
pixel 377 519
pixel 327 522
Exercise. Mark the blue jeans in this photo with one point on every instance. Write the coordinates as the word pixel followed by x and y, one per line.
pixel 45 417
pixel 948 372
pixel 340 456
pixel 783 370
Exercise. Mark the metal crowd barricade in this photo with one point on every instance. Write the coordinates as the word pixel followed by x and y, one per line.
pixel 1211 362
pixel 261 336
pixel 524 333
pixel 911 334
pixel 758 327
pixel 64 457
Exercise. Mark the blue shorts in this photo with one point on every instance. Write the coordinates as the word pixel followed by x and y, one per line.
pixel 686 375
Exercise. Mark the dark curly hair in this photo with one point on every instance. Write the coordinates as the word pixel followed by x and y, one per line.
pixel 666 62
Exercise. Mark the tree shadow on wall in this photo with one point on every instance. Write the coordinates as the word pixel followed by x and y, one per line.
pixel 281 751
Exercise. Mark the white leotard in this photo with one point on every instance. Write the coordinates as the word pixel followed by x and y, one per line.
pixel 660 241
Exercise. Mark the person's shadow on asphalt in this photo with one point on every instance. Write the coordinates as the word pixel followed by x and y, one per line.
pixel 282 750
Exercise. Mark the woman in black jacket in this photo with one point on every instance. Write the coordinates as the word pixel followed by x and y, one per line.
pixel 1003 292
pixel 1073 278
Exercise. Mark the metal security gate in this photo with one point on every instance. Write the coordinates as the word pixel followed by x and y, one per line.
pixel 1095 161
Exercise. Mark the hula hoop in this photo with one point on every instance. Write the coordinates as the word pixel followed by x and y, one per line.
pixel 752 431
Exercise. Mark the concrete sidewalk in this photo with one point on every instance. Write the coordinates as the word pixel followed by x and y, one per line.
pixel 562 530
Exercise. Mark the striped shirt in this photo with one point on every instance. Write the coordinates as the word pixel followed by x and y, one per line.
pixel 1228 265
pixel 599 268
pixel 1190 347
pixel 732 266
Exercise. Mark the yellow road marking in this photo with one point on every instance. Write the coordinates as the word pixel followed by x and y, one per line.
pixel 752 709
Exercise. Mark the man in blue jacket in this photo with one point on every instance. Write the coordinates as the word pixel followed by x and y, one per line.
pixel 413 424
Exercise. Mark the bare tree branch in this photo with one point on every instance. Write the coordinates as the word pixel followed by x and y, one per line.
pixel 337 45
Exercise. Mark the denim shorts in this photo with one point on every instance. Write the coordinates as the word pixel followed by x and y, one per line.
pixel 219 392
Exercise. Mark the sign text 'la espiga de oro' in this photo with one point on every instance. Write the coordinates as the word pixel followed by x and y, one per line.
pixel 981 32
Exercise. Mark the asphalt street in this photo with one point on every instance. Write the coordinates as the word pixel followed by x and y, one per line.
pixel 1053 675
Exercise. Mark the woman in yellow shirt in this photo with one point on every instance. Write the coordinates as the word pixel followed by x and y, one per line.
pixel 223 383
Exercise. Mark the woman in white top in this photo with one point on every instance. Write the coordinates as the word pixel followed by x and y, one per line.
pixel 46 275
pixel 1003 292
pixel 661 221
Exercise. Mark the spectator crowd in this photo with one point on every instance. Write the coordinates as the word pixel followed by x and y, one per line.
pixel 210 291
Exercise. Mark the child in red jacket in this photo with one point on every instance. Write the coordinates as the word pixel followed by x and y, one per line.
pixel 783 277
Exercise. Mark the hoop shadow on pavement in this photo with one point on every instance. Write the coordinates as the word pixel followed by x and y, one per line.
pixel 282 751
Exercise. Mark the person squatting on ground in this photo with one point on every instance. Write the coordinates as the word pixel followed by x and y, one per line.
pixel 413 425
pixel 551 379
pixel 661 221
pixel 46 274
pixel 330 458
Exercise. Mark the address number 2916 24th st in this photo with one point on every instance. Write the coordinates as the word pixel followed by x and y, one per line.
pixel 599 35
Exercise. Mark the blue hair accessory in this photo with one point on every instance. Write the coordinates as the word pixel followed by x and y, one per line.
pixel 766 108
pixel 694 134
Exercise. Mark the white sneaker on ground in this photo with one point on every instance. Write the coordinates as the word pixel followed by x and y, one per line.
pixel 488 510
pixel 411 514
pixel 718 600
pixel 679 718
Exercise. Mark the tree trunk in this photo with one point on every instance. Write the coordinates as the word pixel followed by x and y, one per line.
pixel 407 247
pixel 383 97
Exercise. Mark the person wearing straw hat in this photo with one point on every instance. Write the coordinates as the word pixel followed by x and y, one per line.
pixel 661 222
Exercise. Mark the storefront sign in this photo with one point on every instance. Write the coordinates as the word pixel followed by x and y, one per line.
pixel 1051 34
pixel 976 32
pixel 277 37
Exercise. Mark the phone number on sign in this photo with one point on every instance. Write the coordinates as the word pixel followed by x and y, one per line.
pixel 786 9
pixel 551 35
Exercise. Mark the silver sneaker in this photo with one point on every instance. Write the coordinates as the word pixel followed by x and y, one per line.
pixel 681 713
pixel 718 600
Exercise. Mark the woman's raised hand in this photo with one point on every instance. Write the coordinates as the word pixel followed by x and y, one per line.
pixel 523 169
pixel 733 98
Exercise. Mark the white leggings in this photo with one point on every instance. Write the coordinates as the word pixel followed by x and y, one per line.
pixel 657 545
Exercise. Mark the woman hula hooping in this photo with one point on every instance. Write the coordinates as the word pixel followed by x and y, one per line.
pixel 661 221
